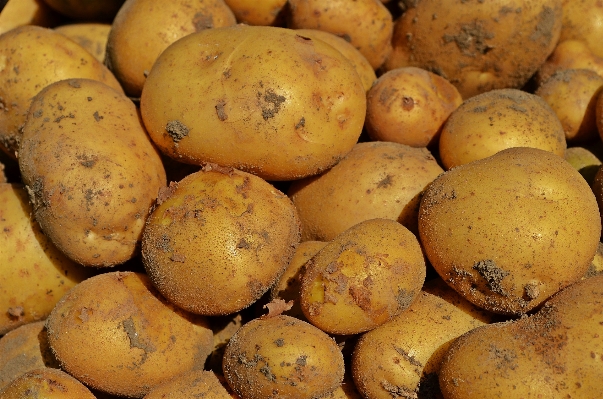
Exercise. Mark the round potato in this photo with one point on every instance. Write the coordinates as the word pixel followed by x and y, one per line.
pixel 141 31
pixel 282 357
pixel 468 42
pixel 409 106
pixel 48 384
pixel 260 99
pixel 572 94
pixel 91 36
pixel 116 333
pixel 34 274
pixel 32 58
pixel 583 21
pixel 569 54
pixel 91 193
pixel 584 161
pixel 258 12
pixel 364 277
pixel 510 230
pixel 15 13
pixel 218 240
pixel 490 122
pixel 375 180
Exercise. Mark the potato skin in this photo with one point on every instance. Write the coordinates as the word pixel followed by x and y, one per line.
pixel 363 278
pixel 467 42
pixel 258 12
pixel 91 36
pixel 116 333
pixel 219 240
pixel 260 99
pixel 569 54
pixel 282 357
pixel 34 274
pixel 36 57
pixel 91 192
pixel 46 383
pixel 510 230
pixel 555 353
pixel 193 384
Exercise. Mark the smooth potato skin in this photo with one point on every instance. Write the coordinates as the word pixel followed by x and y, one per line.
pixel 91 192
pixel 34 274
pixel 117 334
pixel 555 353
pixel 510 230
pixel 35 57
pixel 569 54
pixel 91 36
pixel 219 240
pixel 46 383
pixel 258 12
pixel 260 99
pixel 17 13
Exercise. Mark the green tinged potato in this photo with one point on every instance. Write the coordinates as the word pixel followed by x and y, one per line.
pixel 364 277
pixel 34 274
pixel 555 353
pixel 510 230
pixel 260 99
pixel 90 169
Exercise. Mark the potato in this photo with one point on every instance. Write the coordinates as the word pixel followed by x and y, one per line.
pixel 193 384
pixel 583 21
pixel 468 42
pixel 584 161
pixel 34 274
pixel 218 240
pixel 32 58
pixel 142 29
pixel 361 64
pixel 402 357
pixel 556 353
pixel 572 94
pixel 375 180
pixel 258 12
pixel 493 121
pixel 569 54
pixel 282 357
pixel 263 100
pixel 17 13
pixel 24 349
pixel 366 24
pixel 97 10
pixel 91 36
pixel 117 334
pixel 48 384
pixel 92 192
pixel 596 266
pixel 510 230
pixel 409 106
pixel 364 277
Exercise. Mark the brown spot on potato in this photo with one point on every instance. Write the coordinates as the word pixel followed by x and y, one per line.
pixel 408 103
pixel 177 130
pixel 471 40
pixel 203 21
pixel 272 104
pixel 220 110
pixel 492 274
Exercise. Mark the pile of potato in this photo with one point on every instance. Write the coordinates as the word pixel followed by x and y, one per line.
pixel 301 199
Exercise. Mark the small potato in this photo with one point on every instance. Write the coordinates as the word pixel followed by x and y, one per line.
pixel 91 36
pixel 17 13
pixel 409 106
pixel 193 384
pixel 364 277
pixel 584 161
pixel 116 333
pixel 48 384
pixel 142 30
pixel 91 192
pixel 572 94
pixel 34 274
pixel 24 349
pixel 261 99
pixel 258 12
pixel 569 54
pixel 499 230
pixel 493 121
pixel 282 357
pixel 366 24
pixel 468 42
pixel 555 353
pixel 218 240
pixel 375 180
pixel 33 58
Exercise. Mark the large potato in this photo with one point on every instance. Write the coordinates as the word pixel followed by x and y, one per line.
pixel 34 274
pixel 218 240
pixel 261 99
pixel 469 42
pixel 116 333
pixel 31 59
pixel 510 230
pixel 90 169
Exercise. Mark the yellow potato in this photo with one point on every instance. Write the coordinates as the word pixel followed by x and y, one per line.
pixel 583 21
pixel 91 192
pixel 510 230
pixel 194 384
pixel 260 99
pixel 91 36
pixel 17 13
pixel 569 54
pixel 258 12
pixel 48 384
pixel 34 274
pixel 584 161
